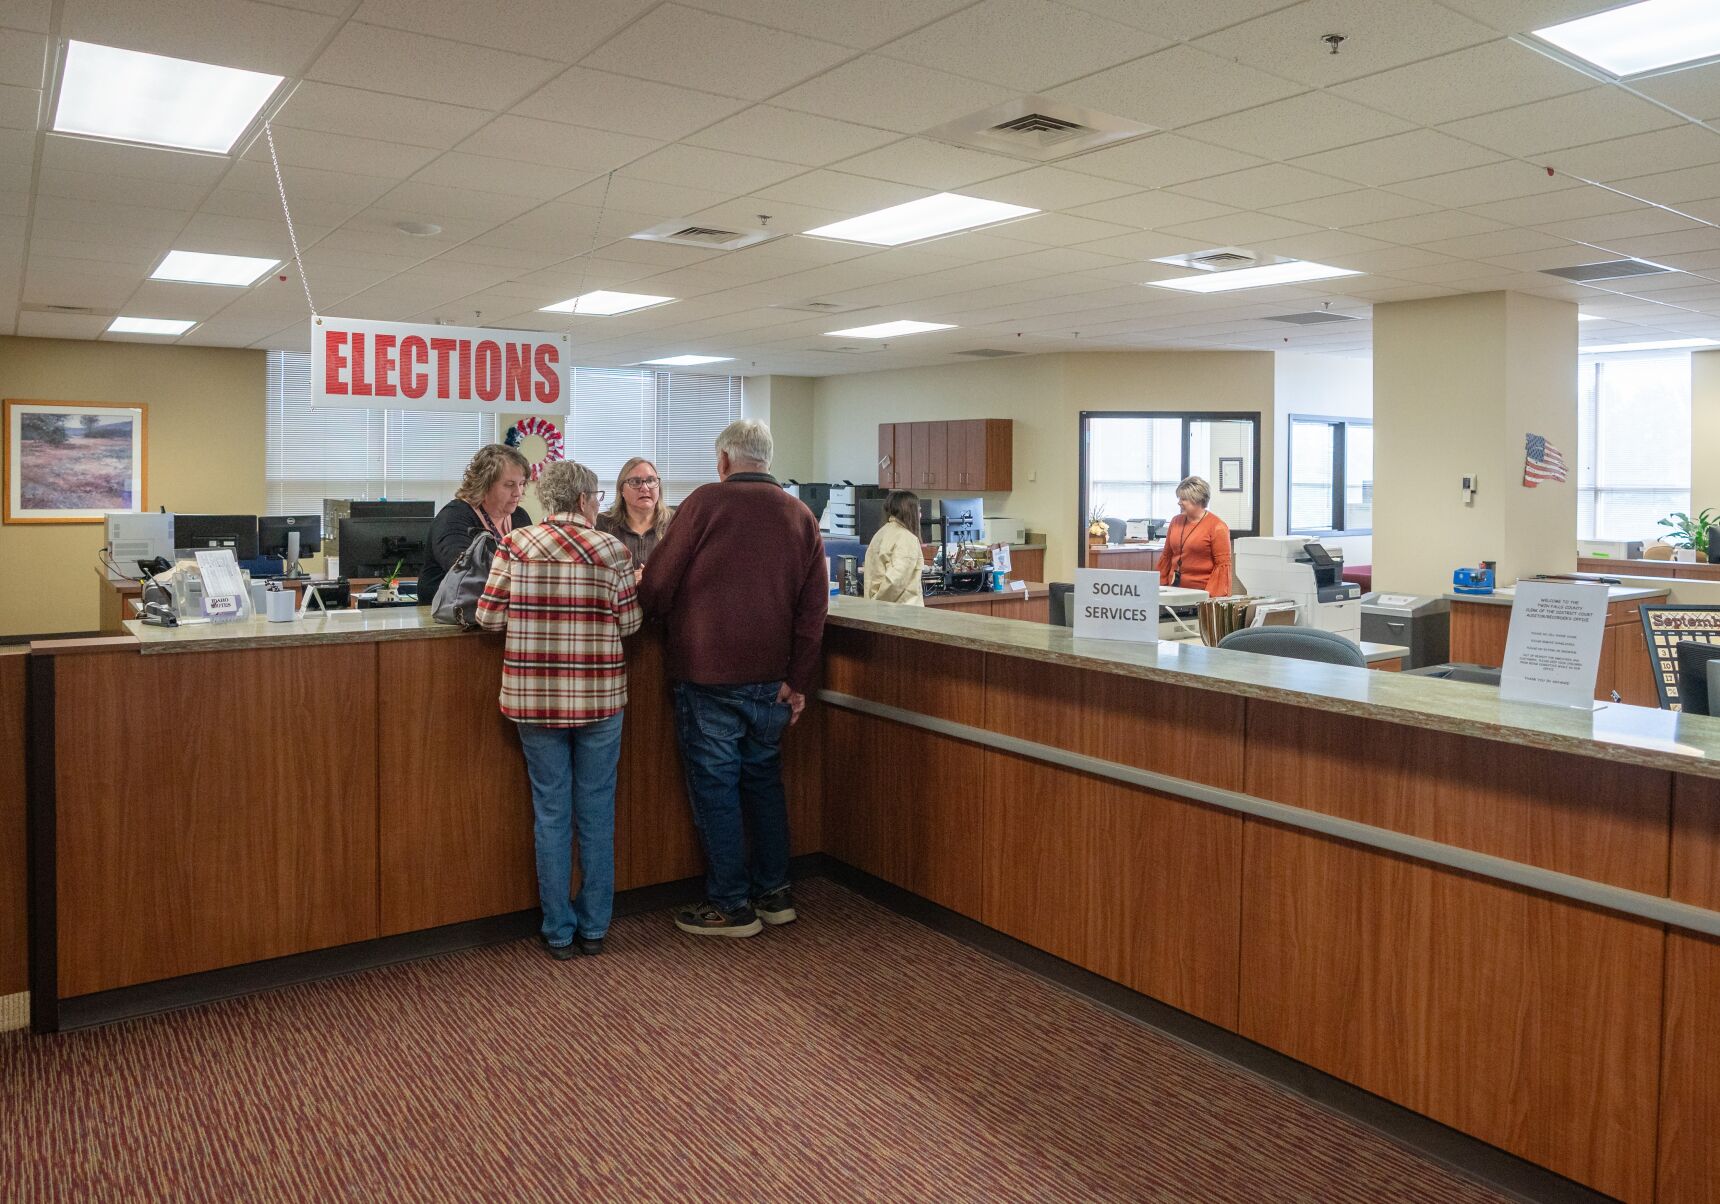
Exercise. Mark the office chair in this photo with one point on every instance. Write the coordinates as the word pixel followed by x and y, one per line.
pixel 1118 528
pixel 1062 603
pixel 1297 643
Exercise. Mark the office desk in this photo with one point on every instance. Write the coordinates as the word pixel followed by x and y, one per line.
pixel 1125 555
pixel 1480 623
pixel 1608 566
pixel 1032 605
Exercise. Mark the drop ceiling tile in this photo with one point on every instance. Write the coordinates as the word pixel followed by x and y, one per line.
pixel 1630 224
pixel 116 218
pixel 1302 125
pixel 1352 208
pixel 1336 247
pixel 92 186
pixel 1555 206
pixel 70 282
pixel 332 109
pixel 672 43
pixel 1531 130
pixel 1241 229
pixel 158 298
pixel 805 138
pixel 512 176
pixel 1694 91
pixel 1024 45
pixel 1138 245
pixel 1640 154
pixel 410 64
pixel 304 185
pixel 1427 227
pixel 338 152
pixel 699 167
pixel 1178 19
pixel 842 193
pixel 1160 160
pixel 18 107
pixel 1380 36
pixel 1657 247
pixel 1523 16
pixel 1049 188
pixel 36 325
pixel 625 105
pixel 1398 157
pixel 234 33
pixel 893 95
pixel 1481 79
pixel 543 28
pixel 1154 210
pixel 1497 243
pixel 929 164
pixel 17 152
pixel 1176 87
pixel 443 205
pixel 32 15
pixel 1479 185
pixel 23 58
pixel 785 218
pixel 225 235
pixel 1265 186
pixel 133 249
pixel 60 153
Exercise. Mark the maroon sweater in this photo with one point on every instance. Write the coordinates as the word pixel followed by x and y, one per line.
pixel 741 581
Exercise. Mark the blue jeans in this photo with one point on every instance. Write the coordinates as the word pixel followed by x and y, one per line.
pixel 573 784
pixel 731 740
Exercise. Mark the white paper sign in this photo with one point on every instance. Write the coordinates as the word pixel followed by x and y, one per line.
pixel 223 586
pixel 1117 604
pixel 1000 557
pixel 1553 650
pixel 361 365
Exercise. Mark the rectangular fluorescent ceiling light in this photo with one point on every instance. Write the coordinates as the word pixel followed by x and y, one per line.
pixel 129 96
pixel 604 304
pixel 200 267
pixel 1662 345
pixel 687 361
pixel 928 217
pixel 167 326
pixel 1294 272
pixel 888 330
pixel 1641 37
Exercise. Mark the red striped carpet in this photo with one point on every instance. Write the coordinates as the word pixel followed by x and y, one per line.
pixel 852 1056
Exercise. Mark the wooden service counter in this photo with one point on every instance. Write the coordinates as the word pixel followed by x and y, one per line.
pixel 1032 604
pixel 1480 623
pixel 1124 555
pixel 216 796
pixel 1500 916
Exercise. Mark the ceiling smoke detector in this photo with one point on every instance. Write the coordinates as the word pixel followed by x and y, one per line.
pixel 418 229
pixel 1039 129
pixel 683 233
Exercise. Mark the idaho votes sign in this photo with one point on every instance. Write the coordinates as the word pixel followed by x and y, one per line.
pixel 361 365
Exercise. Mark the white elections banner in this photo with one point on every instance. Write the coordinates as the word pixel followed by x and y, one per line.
pixel 1116 604
pixel 361 365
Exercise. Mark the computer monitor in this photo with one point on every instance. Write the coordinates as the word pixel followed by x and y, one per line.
pixel 273 530
pixel 393 510
pixel 200 532
pixel 964 520
pixel 1693 658
pixel 383 547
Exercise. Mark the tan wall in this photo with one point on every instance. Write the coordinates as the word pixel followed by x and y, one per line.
pixel 1541 371
pixel 1044 396
pixel 205 454
pixel 784 403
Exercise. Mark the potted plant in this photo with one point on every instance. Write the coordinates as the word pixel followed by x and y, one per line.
pixel 1689 533
pixel 1098 533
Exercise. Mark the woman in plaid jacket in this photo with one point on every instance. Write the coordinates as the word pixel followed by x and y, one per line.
pixel 563 591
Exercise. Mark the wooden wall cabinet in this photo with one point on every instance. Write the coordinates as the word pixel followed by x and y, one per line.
pixel 974 455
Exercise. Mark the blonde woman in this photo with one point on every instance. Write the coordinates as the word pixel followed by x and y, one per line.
pixel 639 516
pixel 1197 546
pixel 488 500
pixel 894 558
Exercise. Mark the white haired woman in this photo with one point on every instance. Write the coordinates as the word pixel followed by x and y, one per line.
pixel 488 500
pixel 1197 546
pixel 563 591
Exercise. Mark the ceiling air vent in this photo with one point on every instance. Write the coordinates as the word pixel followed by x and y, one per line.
pixel 820 307
pixel 1038 128
pixel 64 309
pixel 1220 260
pixel 712 238
pixel 1611 269
pixel 987 353
pixel 1315 317
pixel 847 349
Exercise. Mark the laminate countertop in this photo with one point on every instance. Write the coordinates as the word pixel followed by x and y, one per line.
pixel 1614 731
pixel 1615 593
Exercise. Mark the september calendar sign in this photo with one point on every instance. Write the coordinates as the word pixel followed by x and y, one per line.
pixel 361 365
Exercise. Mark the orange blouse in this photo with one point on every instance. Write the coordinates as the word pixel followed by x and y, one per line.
pixel 1201 550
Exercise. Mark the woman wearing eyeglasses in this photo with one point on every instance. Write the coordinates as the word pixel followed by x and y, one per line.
pixel 639 516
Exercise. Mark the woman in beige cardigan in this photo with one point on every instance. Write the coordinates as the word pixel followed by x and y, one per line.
pixel 894 558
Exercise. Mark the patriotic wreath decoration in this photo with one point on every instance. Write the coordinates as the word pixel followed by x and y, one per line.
pixel 545 430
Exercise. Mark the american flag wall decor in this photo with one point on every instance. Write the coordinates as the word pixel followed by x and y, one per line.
pixel 1541 461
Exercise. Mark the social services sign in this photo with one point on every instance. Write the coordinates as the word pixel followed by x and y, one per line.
pixel 361 365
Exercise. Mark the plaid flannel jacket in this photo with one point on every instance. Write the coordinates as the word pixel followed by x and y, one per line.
pixel 564 593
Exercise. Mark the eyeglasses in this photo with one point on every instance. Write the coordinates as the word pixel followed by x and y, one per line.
pixel 641 482
pixel 598 494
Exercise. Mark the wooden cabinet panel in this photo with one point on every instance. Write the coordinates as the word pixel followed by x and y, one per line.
pixel 1027 564
pixel 970 454
pixel 887 455
pixel 967 454
pixel 655 840
pixel 920 455
pixel 1478 632
pixel 14 871
pixel 1606 670
pixel 1633 670
pixel 1690 1082
pixel 1529 1022
pixel 456 804
pixel 229 836
pixel 1470 793
pixel 937 467
pixel 1141 888
pixel 998 473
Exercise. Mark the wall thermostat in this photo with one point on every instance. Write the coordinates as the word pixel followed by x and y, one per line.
pixel 1467 487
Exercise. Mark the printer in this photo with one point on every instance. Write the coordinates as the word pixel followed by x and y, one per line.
pixel 1300 570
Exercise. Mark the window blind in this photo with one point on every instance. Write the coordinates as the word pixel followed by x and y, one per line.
pixel 1633 445
pixel 670 418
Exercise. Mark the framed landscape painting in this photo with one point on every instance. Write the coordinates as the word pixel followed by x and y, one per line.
pixel 74 461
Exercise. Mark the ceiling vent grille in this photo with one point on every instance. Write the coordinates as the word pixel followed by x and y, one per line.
pixel 683 233
pixel 1315 317
pixel 847 349
pixel 988 353
pixel 1039 129
pixel 1220 260
pixel 82 310
pixel 1611 269
pixel 820 307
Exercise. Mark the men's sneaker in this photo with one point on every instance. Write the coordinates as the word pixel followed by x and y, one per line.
pixel 561 953
pixel 776 907
pixel 708 919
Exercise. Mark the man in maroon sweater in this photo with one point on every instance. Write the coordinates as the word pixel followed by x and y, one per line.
pixel 741 581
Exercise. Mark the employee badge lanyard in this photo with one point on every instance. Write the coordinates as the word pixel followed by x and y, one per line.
pixel 1182 549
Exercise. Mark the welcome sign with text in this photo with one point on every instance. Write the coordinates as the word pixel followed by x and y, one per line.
pixel 361 365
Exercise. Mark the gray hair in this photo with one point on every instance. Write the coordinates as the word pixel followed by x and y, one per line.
pixel 1196 490
pixel 562 483
pixel 747 442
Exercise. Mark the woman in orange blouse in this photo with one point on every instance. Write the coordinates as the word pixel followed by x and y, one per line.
pixel 1197 546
